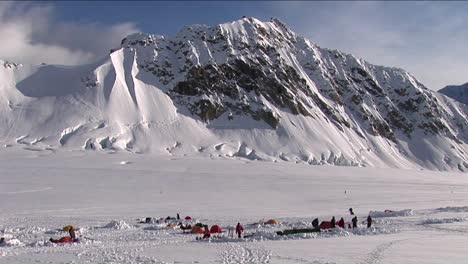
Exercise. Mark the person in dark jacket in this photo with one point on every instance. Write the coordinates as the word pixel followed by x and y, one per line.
pixel 178 216
pixel 71 232
pixel 369 221
pixel 354 220
pixel 315 223
pixel 239 230
pixel 351 211
pixel 333 222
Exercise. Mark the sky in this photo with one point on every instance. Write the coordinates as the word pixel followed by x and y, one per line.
pixel 428 39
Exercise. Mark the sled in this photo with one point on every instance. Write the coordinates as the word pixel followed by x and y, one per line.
pixel 298 231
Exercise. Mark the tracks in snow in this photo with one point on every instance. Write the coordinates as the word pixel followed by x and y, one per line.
pixel 237 254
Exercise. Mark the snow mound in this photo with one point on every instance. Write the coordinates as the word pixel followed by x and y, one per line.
pixel 452 209
pixel 11 243
pixel 118 224
pixel 432 221
pixel 405 212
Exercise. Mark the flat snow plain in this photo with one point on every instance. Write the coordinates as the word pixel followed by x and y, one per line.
pixel 43 190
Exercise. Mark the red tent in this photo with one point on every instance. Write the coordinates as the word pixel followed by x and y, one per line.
pixel 188 218
pixel 216 229
pixel 325 225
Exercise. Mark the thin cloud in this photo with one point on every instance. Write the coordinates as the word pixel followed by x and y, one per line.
pixel 30 35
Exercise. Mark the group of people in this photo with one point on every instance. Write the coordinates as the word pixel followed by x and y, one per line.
pixel 341 223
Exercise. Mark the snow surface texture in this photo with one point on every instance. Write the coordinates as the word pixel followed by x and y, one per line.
pixel 457 92
pixel 43 191
pixel 247 89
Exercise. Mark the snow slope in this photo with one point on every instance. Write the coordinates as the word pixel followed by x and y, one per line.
pixel 246 89
pixel 42 191
pixel 457 92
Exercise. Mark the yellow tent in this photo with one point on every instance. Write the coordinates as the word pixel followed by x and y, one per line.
pixel 68 227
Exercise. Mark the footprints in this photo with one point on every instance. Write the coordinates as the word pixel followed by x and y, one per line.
pixel 236 254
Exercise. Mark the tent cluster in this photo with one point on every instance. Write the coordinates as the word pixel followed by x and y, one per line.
pixel 188 225
pixel 325 225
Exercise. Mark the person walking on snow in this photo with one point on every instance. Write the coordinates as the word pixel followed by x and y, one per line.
pixel 369 221
pixel 333 222
pixel 239 230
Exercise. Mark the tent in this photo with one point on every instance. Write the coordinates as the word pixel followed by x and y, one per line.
pixel 271 222
pixel 216 229
pixel 188 218
pixel 197 230
pixel 325 225
pixel 68 227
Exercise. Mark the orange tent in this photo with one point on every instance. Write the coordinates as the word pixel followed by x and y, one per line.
pixel 271 222
pixel 197 230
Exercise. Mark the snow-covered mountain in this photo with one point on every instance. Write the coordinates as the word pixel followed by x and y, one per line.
pixel 457 92
pixel 247 89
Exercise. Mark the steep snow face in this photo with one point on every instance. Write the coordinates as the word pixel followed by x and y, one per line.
pixel 457 92
pixel 246 89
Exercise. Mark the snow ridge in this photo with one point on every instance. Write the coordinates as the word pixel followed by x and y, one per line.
pixel 245 89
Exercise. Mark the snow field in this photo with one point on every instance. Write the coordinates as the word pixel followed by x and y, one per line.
pixel 42 193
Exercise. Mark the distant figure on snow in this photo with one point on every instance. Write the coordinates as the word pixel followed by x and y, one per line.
pixel 315 223
pixel 333 222
pixel 178 216
pixel 341 223
pixel 239 230
pixel 354 220
pixel 369 221
pixel 71 232
pixel 351 211
pixel 207 233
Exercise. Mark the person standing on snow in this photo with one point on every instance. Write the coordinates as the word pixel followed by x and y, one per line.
pixel 369 221
pixel 333 222
pixel 207 232
pixel 71 231
pixel 239 230
pixel 315 223
pixel 351 211
pixel 341 223
pixel 354 220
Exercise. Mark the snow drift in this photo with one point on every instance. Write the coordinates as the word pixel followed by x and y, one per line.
pixel 247 89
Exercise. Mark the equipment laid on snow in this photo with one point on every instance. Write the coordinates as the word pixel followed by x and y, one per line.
pixel 65 239
pixel 271 222
pixel 298 231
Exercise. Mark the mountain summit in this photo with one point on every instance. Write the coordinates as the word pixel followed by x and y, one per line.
pixel 247 89
pixel 456 92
